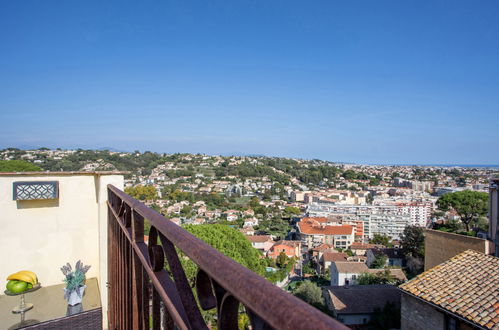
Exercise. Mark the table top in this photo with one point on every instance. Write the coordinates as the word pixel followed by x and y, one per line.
pixel 49 304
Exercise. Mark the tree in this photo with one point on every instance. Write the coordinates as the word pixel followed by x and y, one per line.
pixel 254 202
pixel 384 277
pixel 381 239
pixel 412 241
pixel 227 241
pixel 379 261
pixel 469 205
pixel 142 192
pixel 310 293
pixel 282 260
pixel 292 210
pixel 17 166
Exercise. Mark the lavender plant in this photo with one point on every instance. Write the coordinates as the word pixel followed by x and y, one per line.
pixel 74 279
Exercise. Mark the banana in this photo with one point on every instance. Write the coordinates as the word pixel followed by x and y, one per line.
pixel 22 276
pixel 30 273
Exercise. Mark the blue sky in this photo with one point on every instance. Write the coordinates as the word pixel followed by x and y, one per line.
pixel 355 81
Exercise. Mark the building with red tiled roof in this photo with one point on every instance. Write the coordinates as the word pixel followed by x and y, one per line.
pixel 261 242
pixel 461 293
pixel 315 231
pixel 328 257
pixel 290 248
pixel 360 249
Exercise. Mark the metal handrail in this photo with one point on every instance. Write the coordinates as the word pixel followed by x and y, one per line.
pixel 267 304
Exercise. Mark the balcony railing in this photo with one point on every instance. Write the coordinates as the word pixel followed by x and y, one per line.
pixel 142 293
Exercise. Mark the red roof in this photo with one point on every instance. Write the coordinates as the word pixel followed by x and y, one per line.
pixel 312 227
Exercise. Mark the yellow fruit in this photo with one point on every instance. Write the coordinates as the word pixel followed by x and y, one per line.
pixel 31 274
pixel 22 277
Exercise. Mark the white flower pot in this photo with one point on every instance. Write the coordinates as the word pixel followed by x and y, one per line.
pixel 75 297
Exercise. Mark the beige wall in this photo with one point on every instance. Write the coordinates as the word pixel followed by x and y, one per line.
pixel 43 235
pixel 441 246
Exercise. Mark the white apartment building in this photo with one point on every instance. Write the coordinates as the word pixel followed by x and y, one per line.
pixel 378 219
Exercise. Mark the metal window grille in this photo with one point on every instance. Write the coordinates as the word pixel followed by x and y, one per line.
pixel 34 190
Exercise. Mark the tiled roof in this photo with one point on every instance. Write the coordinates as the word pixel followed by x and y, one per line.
pixel 362 299
pixel 322 247
pixel 313 227
pixel 259 238
pixel 350 267
pixel 293 244
pixel 395 272
pixel 334 256
pixel 466 285
pixel 362 246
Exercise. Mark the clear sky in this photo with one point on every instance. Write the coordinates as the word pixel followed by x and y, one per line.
pixel 352 81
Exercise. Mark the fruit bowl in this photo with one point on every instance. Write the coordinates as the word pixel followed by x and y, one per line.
pixel 34 288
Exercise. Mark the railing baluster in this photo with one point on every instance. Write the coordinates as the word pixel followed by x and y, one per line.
pixel 184 290
pixel 137 280
pixel 156 315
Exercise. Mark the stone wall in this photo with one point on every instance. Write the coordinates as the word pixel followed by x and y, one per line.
pixel 441 246
pixel 417 315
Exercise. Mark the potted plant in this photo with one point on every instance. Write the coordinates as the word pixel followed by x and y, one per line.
pixel 75 282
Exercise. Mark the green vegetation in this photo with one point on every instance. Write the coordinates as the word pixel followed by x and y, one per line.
pixel 282 267
pixel 229 242
pixel 379 261
pixel 310 293
pixel 469 205
pixel 381 239
pixel 412 241
pixel 17 166
pixel 142 192
pixel 377 278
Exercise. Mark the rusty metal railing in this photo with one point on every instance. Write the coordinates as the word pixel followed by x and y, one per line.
pixel 142 293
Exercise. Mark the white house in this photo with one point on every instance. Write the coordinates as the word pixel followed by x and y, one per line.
pixel 346 272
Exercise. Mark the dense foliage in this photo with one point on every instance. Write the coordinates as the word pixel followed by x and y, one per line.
pixel 17 166
pixel 229 242
pixel 310 293
pixel 380 261
pixel 469 205
pixel 412 241
pixel 142 192
pixel 384 277
pixel 381 239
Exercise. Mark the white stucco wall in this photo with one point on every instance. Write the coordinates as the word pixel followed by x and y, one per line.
pixel 43 235
pixel 350 319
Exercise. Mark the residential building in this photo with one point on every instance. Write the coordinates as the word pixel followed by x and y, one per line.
pixel 315 231
pixel 290 248
pixel 346 272
pixel 461 293
pixel 356 305
pixel 394 257
pixel 261 242
pixel 329 257
pixel 360 249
